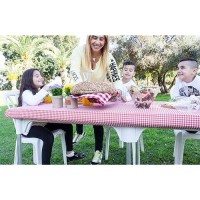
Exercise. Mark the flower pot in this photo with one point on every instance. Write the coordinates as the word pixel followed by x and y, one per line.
pixel 57 101
pixel 71 102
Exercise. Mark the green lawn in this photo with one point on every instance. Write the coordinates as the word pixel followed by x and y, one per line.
pixel 158 144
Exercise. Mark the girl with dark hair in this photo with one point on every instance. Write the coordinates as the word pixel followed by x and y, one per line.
pixel 32 92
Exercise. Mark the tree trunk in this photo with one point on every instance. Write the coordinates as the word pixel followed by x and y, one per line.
pixel 63 74
pixel 162 85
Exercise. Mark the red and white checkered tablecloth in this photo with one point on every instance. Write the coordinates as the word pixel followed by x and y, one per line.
pixel 101 98
pixel 112 114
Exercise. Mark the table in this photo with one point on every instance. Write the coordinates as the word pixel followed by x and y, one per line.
pixel 112 114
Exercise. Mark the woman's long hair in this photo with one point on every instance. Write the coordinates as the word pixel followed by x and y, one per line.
pixel 104 53
pixel 27 84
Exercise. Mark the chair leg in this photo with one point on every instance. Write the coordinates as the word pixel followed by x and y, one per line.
pixel 37 152
pixel 121 144
pixel 128 153
pixel 179 148
pixel 175 148
pixel 134 153
pixel 15 156
pixel 138 152
pixel 64 148
pixel 141 141
pixel 107 142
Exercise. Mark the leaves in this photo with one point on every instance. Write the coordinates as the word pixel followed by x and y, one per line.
pixel 67 89
pixel 156 54
pixel 56 90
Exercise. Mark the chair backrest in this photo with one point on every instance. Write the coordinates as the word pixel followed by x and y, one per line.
pixel 10 98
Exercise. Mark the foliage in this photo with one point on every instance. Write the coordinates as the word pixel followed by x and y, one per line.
pixel 67 89
pixel 47 66
pixel 62 52
pixel 157 55
pixel 49 53
pixel 4 83
pixel 56 90
pixel 27 47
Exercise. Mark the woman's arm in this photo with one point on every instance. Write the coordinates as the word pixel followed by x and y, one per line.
pixel 114 75
pixel 76 65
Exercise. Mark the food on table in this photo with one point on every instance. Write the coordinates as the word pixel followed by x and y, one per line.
pixel 92 88
pixel 47 99
pixel 86 102
pixel 144 97
pixel 190 103
pixel 134 90
pixel 166 105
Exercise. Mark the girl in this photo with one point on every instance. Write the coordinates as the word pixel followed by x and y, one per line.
pixel 32 92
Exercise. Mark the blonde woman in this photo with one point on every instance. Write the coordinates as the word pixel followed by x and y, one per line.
pixel 92 61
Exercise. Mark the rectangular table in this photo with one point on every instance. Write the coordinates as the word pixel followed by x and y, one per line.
pixel 112 114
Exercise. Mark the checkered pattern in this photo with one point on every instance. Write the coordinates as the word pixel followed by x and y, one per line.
pixel 101 98
pixel 112 114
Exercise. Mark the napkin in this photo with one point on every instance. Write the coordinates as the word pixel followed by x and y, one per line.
pixel 101 98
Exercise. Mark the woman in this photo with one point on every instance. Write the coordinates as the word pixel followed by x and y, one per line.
pixel 32 92
pixel 93 59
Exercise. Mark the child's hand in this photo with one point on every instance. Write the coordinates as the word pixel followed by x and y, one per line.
pixel 118 93
pixel 46 87
pixel 118 98
pixel 123 99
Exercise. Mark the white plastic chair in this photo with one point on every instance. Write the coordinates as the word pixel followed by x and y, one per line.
pixel 121 144
pixel 11 98
pixel 180 138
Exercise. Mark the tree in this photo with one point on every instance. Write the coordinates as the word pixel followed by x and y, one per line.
pixel 50 54
pixel 157 55
pixel 62 52
pixel 26 47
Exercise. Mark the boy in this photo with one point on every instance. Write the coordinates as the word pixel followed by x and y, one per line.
pixel 128 72
pixel 188 82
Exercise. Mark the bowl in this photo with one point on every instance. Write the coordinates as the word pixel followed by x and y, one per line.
pixel 144 97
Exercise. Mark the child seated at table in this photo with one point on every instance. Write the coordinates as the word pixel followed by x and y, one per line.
pixel 32 92
pixel 187 82
pixel 128 72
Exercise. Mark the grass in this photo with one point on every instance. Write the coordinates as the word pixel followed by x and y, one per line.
pixel 158 144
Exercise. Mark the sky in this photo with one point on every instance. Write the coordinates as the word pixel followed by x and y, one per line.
pixel 82 39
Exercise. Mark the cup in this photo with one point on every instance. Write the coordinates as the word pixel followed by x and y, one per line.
pixel 71 102
pixel 57 101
